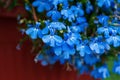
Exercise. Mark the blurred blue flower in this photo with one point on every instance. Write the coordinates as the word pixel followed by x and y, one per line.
pixel 114 40
pixel 105 3
pixel 54 14
pixel 81 20
pixel 103 71
pixel 44 63
pixel 34 31
pixel 83 48
pixel 91 59
pixel 72 13
pixel 105 30
pixel 95 73
pixel 84 69
pixel 116 66
pixel 64 50
pixel 89 7
pixel 118 1
pixel 57 25
pixel 52 40
pixel 27 7
pixel 71 38
pixel 103 19
pixel 96 46
pixel 56 2
pixel 68 14
pixel 41 5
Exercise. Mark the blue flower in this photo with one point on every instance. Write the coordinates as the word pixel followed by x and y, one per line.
pixel 77 10
pixel 106 3
pixel 103 71
pixel 89 7
pixel 34 31
pixel 56 2
pixel 41 5
pixel 79 27
pixel 78 63
pixel 44 63
pixel 91 59
pixel 118 1
pixel 57 25
pixel 65 50
pixel 95 73
pixel 97 46
pixel 72 13
pixel 81 20
pixel 103 19
pixel 116 67
pixel 114 40
pixel 54 14
pixel 27 7
pixel 105 30
pixel 83 69
pixel 68 14
pixel 83 48
pixel 52 40
pixel 71 38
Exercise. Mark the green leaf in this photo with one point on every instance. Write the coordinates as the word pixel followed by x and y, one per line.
pixel 110 63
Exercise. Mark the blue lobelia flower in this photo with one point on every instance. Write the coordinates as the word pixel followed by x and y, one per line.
pixel 91 59
pixel 56 2
pixel 42 5
pixel 89 7
pixel 83 48
pixel 79 27
pixel 57 25
pixel 103 71
pixel 118 1
pixel 34 31
pixel 78 63
pixel 52 40
pixel 53 25
pixel 72 12
pixel 77 10
pixel 54 14
pixel 95 73
pixel 84 69
pixel 80 20
pixel 114 40
pixel 27 7
pixel 98 46
pixel 71 38
pixel 116 67
pixel 105 30
pixel 68 14
pixel 44 63
pixel 103 19
pixel 65 50
pixel 106 3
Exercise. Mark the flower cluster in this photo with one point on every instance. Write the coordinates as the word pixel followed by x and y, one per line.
pixel 79 32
